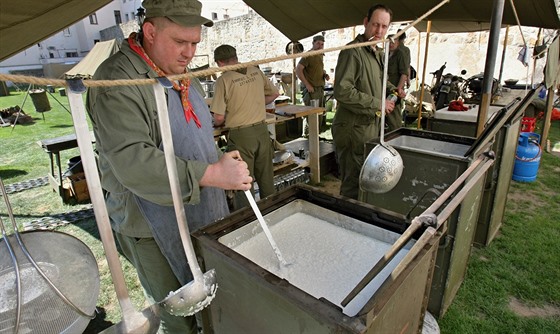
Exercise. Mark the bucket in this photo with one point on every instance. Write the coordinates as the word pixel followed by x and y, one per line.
pixel 527 157
pixel 74 165
pixel 40 100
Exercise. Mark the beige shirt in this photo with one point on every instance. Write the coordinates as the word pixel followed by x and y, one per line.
pixel 240 97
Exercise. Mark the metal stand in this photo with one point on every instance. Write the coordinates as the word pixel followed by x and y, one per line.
pixel 29 88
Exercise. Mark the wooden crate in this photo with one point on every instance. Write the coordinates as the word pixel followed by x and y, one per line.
pixel 75 188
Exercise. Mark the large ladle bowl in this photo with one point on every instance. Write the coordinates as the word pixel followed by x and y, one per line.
pixel 383 166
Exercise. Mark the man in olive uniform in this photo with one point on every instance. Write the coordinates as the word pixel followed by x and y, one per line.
pixel 239 102
pixel 311 72
pixel 358 90
pixel 131 158
pixel 398 71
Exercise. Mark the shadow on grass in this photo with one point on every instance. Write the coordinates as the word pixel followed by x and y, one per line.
pixel 99 323
pixel 6 174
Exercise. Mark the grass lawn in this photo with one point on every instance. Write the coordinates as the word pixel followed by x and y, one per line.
pixel 511 286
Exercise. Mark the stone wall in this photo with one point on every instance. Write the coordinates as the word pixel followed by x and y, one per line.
pixel 256 39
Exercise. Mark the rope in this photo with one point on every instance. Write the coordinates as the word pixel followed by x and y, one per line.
pixel 212 70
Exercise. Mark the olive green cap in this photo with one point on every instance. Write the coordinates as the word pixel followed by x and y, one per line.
pixel 182 12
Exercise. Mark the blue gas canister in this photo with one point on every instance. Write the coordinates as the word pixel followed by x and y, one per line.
pixel 527 157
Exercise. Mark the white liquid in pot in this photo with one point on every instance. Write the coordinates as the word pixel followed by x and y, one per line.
pixel 325 260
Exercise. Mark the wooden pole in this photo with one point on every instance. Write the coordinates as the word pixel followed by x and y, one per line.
pixel 503 54
pixel 429 27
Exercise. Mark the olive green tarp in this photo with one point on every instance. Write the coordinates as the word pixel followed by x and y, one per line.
pixel 298 19
pixel 26 22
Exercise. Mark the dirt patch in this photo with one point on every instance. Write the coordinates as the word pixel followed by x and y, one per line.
pixel 523 310
pixel 330 184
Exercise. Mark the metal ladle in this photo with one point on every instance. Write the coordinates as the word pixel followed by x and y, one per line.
pixel 133 321
pixel 383 166
pixel 197 294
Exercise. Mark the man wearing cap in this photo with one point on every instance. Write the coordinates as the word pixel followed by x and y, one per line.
pixel 310 70
pixel 131 160
pixel 398 72
pixel 239 102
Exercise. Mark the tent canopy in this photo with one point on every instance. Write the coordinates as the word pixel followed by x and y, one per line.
pixel 26 22
pixel 298 19
pixel 87 66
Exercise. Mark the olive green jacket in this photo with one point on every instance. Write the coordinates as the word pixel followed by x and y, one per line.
pixel 127 133
pixel 358 84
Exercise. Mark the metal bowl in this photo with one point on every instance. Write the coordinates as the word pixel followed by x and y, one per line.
pixel 381 171
pixel 511 82
pixel 281 156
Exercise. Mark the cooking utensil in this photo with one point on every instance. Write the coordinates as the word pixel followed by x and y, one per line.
pixel 260 218
pixel 50 283
pixel 383 166
pixel 133 321
pixel 197 294
pixel 281 156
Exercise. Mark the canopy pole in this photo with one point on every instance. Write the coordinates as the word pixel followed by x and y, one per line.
pixel 428 28
pixel 537 42
pixel 488 80
pixel 294 79
pixel 503 54
pixel 418 58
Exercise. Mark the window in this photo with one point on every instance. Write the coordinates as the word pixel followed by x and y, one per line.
pixel 51 55
pixel 66 32
pixel 71 54
pixel 126 19
pixel 93 19
pixel 118 19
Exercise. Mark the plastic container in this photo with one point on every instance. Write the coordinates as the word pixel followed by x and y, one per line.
pixel 528 124
pixel 527 157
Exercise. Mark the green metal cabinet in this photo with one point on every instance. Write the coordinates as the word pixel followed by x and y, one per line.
pixel 432 162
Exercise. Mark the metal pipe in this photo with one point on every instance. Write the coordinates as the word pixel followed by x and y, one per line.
pixel 429 27
pixel 488 79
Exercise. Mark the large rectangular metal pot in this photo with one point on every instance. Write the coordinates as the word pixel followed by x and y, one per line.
pixel 432 162
pixel 251 299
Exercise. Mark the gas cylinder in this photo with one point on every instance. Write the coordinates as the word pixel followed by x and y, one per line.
pixel 527 157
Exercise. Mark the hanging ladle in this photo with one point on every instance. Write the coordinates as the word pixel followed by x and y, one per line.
pixel 197 294
pixel 383 166
pixel 148 320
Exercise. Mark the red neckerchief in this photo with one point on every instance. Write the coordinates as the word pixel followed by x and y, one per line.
pixel 183 88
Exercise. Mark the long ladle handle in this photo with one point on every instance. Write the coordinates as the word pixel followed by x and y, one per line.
pixel 264 227
pixel 171 165
pixel 96 195
pixel 384 91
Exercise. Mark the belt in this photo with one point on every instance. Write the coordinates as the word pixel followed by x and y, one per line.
pixel 247 126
